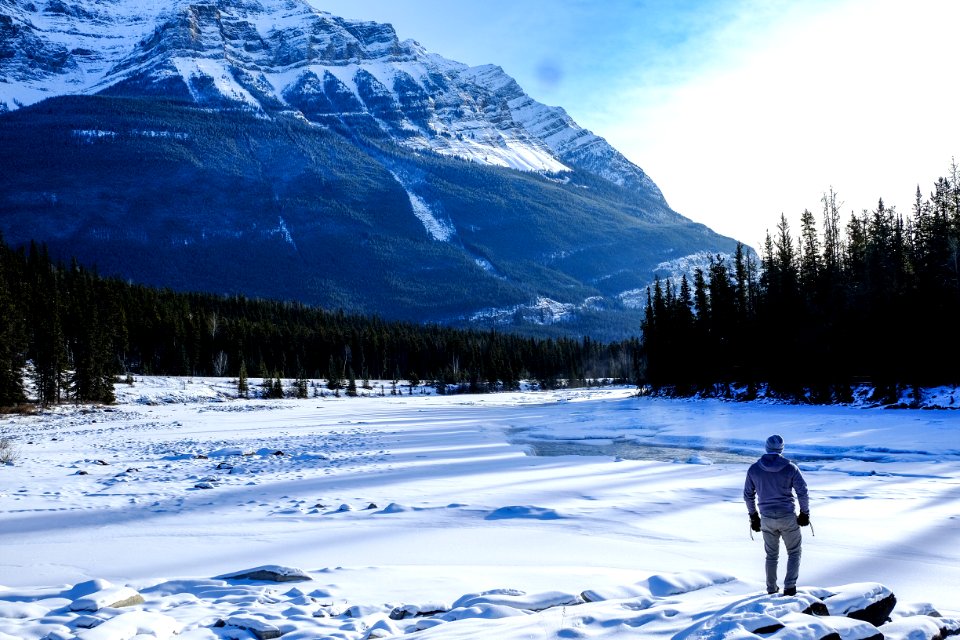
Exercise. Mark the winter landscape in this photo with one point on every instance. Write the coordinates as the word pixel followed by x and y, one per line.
pixel 221 214
pixel 431 516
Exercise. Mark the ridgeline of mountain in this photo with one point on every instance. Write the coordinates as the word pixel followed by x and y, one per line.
pixel 268 148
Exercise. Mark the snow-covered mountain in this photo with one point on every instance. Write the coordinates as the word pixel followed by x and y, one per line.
pixel 266 148
pixel 283 55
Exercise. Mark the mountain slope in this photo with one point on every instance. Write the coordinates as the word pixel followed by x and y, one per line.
pixel 271 149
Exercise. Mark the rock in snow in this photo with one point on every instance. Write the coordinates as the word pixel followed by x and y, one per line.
pixel 867 601
pixel 696 606
pixel 133 624
pixel 268 573
pixel 261 629
pixel 112 597
pixel 920 628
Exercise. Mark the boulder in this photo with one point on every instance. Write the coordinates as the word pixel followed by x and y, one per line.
pixel 112 597
pixel 868 601
pixel 268 573
pixel 404 611
pixel 801 625
pixel 921 628
pixel 851 629
pixel 261 629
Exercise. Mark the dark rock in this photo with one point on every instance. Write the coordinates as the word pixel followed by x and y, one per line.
pixel 372 505
pixel 102 463
pixel 200 456
pixel 921 627
pixel 870 602
pixel 269 573
pixel 260 629
pixel 876 613
pixel 403 611
pixel 817 609
pixel 81 472
pixel 278 453
pixel 773 628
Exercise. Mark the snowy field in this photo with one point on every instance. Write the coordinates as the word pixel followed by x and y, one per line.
pixel 428 517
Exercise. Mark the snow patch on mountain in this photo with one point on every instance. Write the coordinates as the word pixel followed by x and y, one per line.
pixel 543 311
pixel 437 228
pixel 192 69
pixel 284 233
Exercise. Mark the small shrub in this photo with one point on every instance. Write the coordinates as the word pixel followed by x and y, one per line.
pixel 8 452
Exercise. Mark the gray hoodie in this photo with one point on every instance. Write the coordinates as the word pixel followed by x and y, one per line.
pixel 771 481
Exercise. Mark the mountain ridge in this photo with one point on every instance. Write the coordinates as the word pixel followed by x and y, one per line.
pixel 283 54
pixel 271 149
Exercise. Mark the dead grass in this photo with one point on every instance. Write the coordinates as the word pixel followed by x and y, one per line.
pixel 24 409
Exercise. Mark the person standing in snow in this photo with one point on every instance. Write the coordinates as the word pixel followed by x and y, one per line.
pixel 768 492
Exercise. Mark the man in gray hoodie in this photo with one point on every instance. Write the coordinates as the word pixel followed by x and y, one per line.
pixel 771 483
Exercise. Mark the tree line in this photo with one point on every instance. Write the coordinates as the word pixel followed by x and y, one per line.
pixel 68 333
pixel 876 301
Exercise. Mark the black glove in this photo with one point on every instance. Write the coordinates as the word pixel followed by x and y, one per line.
pixel 755 521
pixel 803 519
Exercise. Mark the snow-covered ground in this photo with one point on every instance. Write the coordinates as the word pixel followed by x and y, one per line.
pixel 428 515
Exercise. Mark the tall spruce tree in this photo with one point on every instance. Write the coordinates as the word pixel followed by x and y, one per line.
pixel 12 334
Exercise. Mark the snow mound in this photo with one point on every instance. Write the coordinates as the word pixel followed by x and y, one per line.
pixel 660 585
pixel 134 624
pixel 528 512
pixel 673 606
pixel 518 599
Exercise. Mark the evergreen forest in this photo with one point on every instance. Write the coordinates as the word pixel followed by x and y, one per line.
pixel 68 334
pixel 875 301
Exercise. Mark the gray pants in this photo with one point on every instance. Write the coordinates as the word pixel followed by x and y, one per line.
pixel 773 529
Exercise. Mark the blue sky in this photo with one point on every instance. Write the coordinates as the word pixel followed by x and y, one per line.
pixel 739 109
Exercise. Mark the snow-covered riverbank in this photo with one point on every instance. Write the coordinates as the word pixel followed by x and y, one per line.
pixel 427 501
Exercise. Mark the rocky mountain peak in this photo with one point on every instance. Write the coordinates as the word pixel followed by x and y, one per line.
pixel 284 56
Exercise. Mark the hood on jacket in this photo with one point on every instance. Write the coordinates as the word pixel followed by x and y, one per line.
pixel 773 462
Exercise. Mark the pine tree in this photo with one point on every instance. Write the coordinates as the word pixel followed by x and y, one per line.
pixel 276 389
pixel 334 382
pixel 12 336
pixel 301 386
pixel 243 387
pixel 352 383
pixel 47 340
